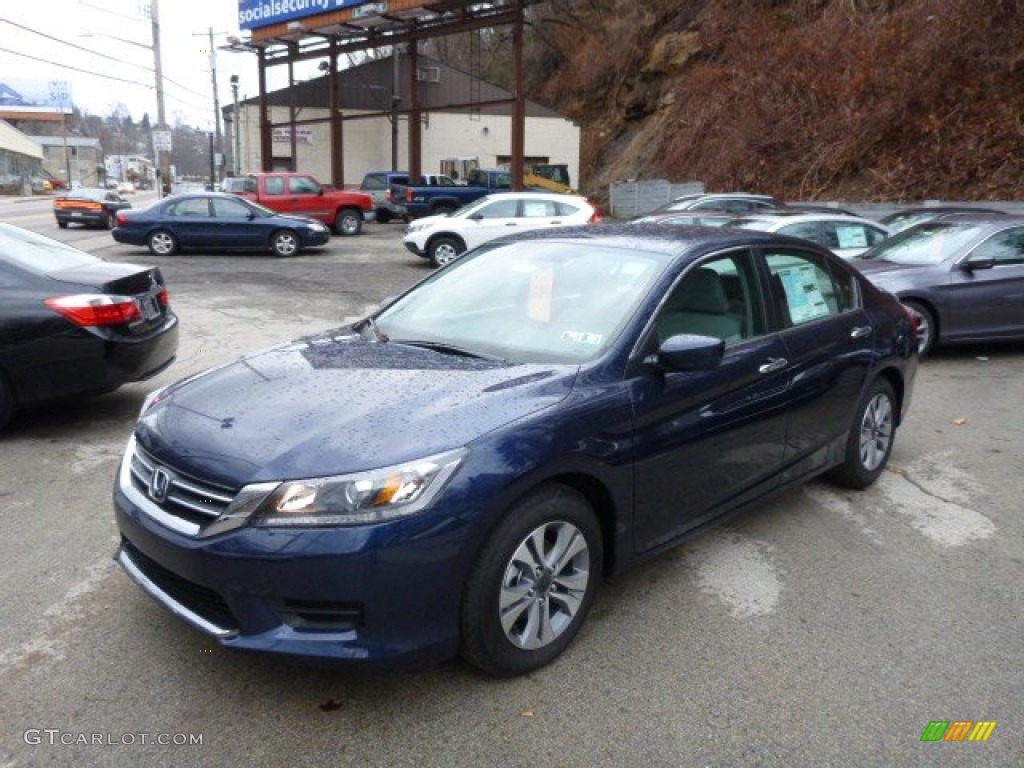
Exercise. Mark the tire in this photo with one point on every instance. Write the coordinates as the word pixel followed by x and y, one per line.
pixel 927 328
pixel 444 250
pixel 348 222
pixel 544 607
pixel 107 223
pixel 62 224
pixel 162 243
pixel 383 216
pixel 284 243
pixel 6 402
pixel 869 443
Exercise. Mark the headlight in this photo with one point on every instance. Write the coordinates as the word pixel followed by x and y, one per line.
pixel 152 399
pixel 414 227
pixel 360 498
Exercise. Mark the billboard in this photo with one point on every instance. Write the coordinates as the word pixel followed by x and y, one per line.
pixel 34 96
pixel 253 14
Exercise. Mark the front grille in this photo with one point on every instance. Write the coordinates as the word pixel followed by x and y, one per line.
pixel 185 497
pixel 202 601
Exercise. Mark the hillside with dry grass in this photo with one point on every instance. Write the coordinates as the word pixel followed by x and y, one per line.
pixel 805 99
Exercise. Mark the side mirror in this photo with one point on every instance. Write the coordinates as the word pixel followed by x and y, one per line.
pixel 688 352
pixel 476 217
pixel 977 262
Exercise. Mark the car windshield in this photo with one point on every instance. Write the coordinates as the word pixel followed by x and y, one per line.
pixel 928 243
pixel 39 254
pixel 532 301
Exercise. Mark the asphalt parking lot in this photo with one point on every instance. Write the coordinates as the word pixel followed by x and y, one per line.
pixel 827 628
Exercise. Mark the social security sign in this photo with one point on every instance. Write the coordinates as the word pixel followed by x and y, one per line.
pixel 253 14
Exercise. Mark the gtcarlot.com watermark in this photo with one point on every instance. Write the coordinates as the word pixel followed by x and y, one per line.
pixel 57 737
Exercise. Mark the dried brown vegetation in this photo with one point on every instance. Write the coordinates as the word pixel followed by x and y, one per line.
pixel 852 99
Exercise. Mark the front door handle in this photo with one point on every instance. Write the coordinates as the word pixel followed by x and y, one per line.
pixel 774 364
pixel 860 332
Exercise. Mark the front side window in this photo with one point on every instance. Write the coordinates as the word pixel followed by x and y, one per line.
pixel 851 234
pixel 303 185
pixel 1006 247
pixel 717 297
pixel 808 230
pixel 803 289
pixel 500 209
pixel 225 209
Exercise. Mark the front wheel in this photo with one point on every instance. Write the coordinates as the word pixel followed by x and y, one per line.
pixel 533 583
pixel 162 243
pixel 348 222
pixel 284 243
pixel 6 401
pixel 444 249
pixel 926 327
pixel 869 443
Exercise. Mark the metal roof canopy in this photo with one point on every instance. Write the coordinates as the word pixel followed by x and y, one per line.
pixel 376 25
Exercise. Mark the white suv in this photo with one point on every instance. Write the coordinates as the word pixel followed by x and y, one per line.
pixel 443 238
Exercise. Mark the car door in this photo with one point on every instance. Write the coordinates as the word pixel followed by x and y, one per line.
pixel 491 220
pixel 990 302
pixel 236 228
pixel 829 344
pixel 191 222
pixel 707 441
pixel 305 198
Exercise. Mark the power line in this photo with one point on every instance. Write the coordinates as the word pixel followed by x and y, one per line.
pixel 76 69
pixel 76 46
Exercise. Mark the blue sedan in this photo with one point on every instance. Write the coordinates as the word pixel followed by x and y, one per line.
pixel 457 472
pixel 213 220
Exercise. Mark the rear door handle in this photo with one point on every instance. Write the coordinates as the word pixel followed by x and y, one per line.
pixel 774 364
pixel 860 332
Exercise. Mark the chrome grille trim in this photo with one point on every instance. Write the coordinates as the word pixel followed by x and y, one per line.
pixel 138 467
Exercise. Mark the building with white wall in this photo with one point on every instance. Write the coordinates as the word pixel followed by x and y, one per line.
pixel 454 137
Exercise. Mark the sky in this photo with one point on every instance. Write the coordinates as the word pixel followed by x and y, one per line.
pixel 33 33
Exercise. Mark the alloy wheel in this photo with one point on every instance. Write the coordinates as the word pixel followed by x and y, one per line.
pixel 876 432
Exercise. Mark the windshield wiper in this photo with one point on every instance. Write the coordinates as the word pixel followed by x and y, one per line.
pixel 375 333
pixel 448 349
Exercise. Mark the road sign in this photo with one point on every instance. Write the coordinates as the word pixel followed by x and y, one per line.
pixel 162 141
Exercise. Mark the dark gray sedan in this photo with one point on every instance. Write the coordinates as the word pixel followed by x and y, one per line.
pixel 963 276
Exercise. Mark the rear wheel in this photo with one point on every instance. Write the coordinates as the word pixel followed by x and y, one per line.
pixel 870 440
pixel 284 243
pixel 533 583
pixel 926 327
pixel 62 224
pixel 383 216
pixel 108 222
pixel 445 249
pixel 348 222
pixel 162 243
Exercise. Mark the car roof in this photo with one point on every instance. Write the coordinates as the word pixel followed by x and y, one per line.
pixel 789 217
pixel 529 194
pixel 671 241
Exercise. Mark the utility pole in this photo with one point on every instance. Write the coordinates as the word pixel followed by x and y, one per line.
pixel 164 158
pixel 237 126
pixel 216 100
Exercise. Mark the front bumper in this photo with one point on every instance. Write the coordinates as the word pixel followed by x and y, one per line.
pixel 385 595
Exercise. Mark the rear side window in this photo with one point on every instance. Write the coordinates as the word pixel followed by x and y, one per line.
pixel 803 288
pixel 274 185
pixel 374 182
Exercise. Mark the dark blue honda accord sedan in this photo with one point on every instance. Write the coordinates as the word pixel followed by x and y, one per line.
pixel 457 472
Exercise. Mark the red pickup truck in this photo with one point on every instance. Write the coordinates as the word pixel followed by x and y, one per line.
pixel 302 195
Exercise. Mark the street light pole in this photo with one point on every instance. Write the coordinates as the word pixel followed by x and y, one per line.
pixel 213 166
pixel 216 100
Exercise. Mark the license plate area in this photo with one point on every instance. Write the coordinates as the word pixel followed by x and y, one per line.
pixel 150 307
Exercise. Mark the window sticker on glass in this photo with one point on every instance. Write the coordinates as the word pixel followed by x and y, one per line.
pixel 539 302
pixel 580 337
pixel 852 237
pixel 802 293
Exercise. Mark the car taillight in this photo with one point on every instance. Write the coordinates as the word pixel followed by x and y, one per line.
pixel 596 216
pixel 94 309
pixel 121 218
pixel 389 196
pixel 408 194
pixel 164 298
